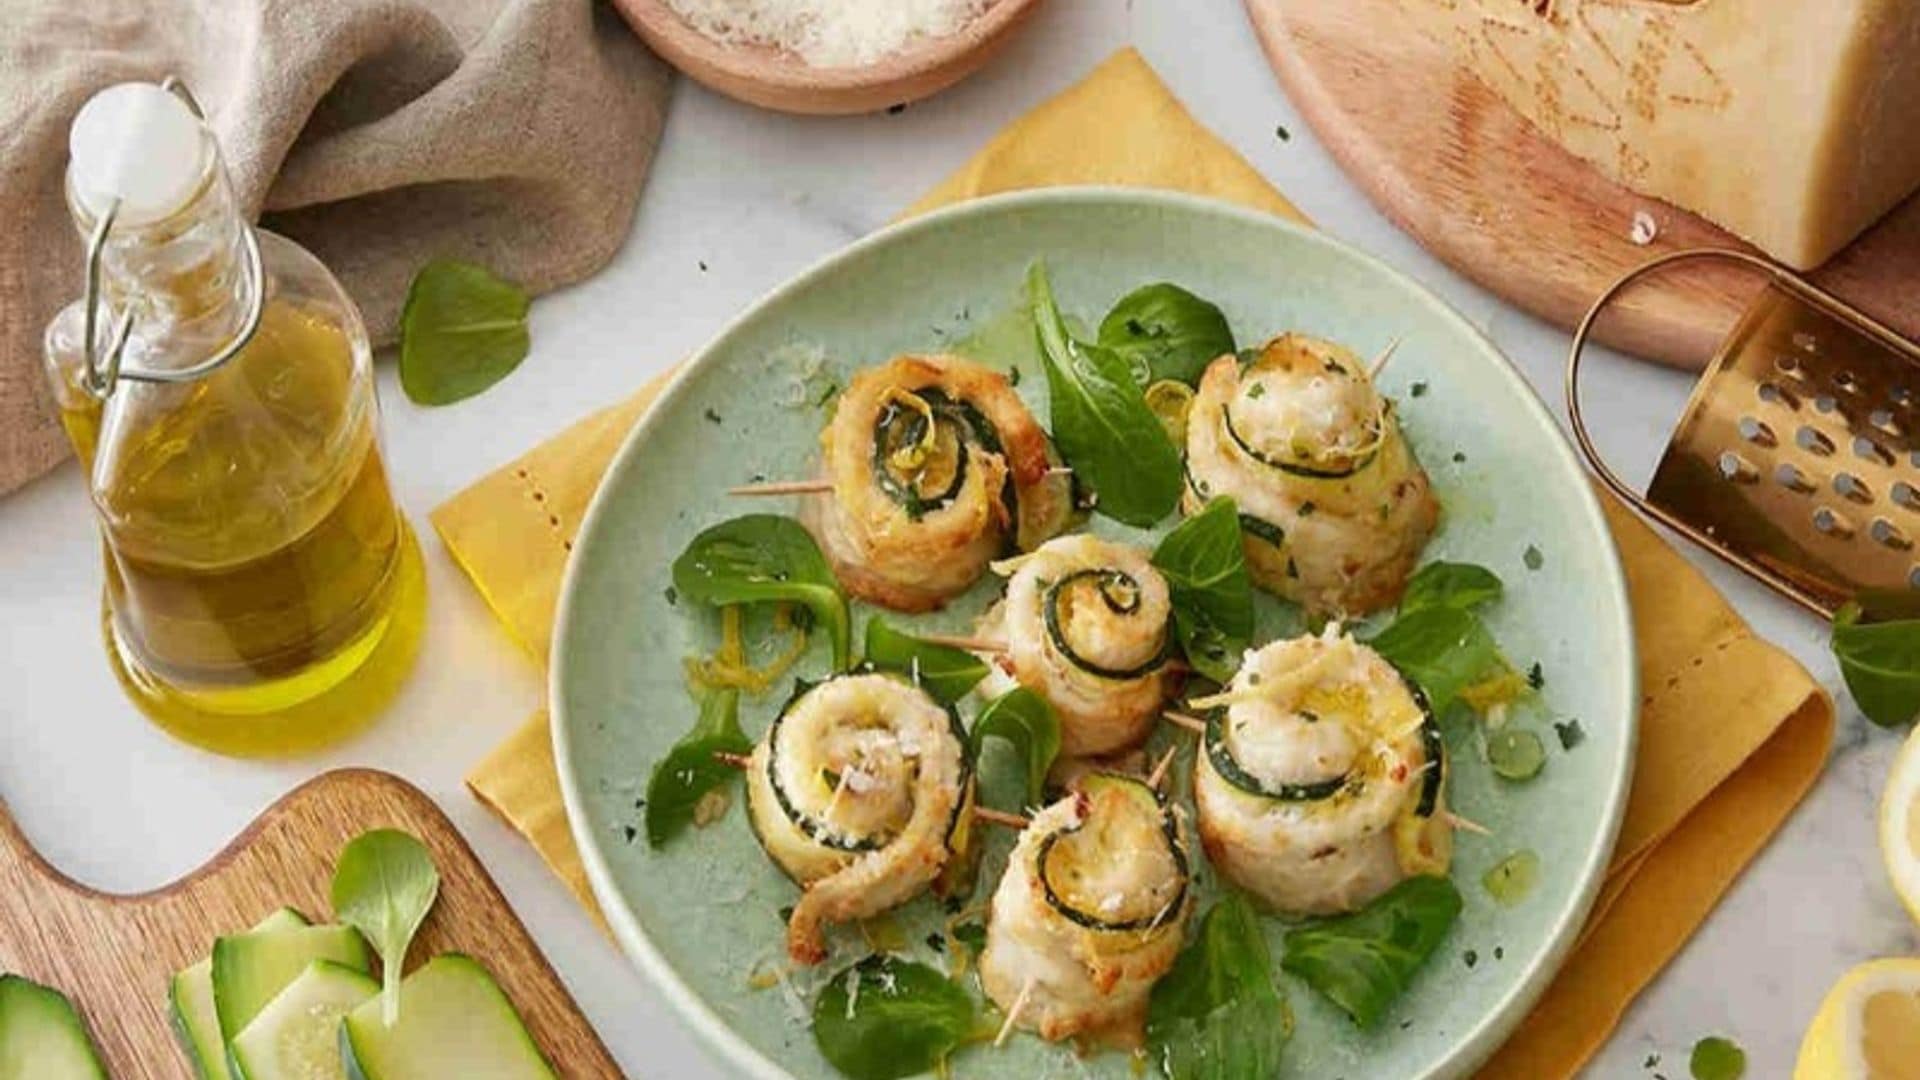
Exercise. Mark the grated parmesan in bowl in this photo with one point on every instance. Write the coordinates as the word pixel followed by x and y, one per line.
pixel 829 33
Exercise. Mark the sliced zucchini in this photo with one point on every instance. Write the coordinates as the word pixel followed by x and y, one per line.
pixel 1124 824
pixel 1220 756
pixel 454 1022
pixel 297 1036
pixel 1296 468
pixel 41 1035
pixel 190 1001
pixel 1118 590
pixel 250 970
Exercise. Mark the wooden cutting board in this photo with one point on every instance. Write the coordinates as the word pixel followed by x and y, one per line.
pixel 113 955
pixel 1476 185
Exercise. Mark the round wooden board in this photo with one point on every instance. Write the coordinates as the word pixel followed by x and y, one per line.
pixel 773 79
pixel 1475 184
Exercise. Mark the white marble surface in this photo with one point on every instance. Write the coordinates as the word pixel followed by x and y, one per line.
pixel 738 201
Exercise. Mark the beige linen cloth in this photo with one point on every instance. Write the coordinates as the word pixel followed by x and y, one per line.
pixel 378 133
pixel 1732 730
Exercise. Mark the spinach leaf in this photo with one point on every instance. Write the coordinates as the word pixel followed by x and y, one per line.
pixel 1163 331
pixel 1024 719
pixel 461 331
pixel 1217 1015
pixel 885 1018
pixel 1444 649
pixel 1206 571
pixel 1101 421
pixel 765 557
pixel 1881 663
pixel 1363 961
pixel 383 886
pixel 1448 584
pixel 690 769
pixel 943 671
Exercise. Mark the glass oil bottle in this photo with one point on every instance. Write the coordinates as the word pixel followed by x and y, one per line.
pixel 263 593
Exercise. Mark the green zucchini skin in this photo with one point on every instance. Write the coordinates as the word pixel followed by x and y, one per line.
pixel 1291 467
pixel 817 830
pixel 1056 634
pixel 1263 529
pixel 1432 747
pixel 1169 828
pixel 972 421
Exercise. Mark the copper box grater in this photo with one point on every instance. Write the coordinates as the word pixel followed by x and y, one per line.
pixel 1796 459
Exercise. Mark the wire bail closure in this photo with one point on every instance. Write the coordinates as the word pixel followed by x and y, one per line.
pixel 104 372
pixel 1777 564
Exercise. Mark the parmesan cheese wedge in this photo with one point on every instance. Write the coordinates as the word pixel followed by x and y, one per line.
pixel 1795 125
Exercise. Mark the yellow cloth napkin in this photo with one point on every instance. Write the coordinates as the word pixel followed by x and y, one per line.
pixel 1732 731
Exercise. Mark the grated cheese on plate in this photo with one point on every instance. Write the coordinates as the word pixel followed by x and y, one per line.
pixel 829 33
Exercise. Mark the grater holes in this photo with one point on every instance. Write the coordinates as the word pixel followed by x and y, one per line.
pixel 1883 419
pixel 1757 432
pixel 1737 469
pixel 1847 381
pixel 1789 365
pixel 1904 494
pixel 1813 441
pixel 1887 533
pixel 1902 396
pixel 1789 476
pixel 1852 487
pixel 1825 403
pixel 1833 523
pixel 1804 341
pixel 1774 394
pixel 1913 578
pixel 1867 450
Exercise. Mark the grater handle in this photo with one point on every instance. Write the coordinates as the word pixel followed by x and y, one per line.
pixel 1779 276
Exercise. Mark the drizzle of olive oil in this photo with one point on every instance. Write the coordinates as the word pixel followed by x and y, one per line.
pixel 263 594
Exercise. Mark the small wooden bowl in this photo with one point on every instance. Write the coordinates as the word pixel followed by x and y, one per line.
pixel 775 79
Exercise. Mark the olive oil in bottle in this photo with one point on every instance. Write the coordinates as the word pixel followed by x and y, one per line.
pixel 263 593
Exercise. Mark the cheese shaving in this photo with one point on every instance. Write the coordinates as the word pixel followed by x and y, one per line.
pixel 829 33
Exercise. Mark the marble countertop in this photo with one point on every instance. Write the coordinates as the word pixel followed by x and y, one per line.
pixel 738 201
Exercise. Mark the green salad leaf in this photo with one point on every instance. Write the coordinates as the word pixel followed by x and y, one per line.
pixel 1206 571
pixel 1444 649
pixel 462 330
pixel 1452 585
pixel 1101 422
pixel 943 671
pixel 1163 331
pixel 1363 961
pixel 383 886
pixel 1881 663
pixel 1217 1015
pixel 690 770
pixel 765 557
pixel 1024 719
pixel 885 1018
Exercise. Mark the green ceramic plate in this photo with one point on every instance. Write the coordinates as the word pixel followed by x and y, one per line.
pixel 702 914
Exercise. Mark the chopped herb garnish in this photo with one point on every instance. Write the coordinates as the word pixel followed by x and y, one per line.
pixel 1459 457
pixel 703 266
pixel 1536 676
pixel 1499 953
pixel 1471 957
pixel 827 392
pixel 712 417
pixel 1282 132
pixel 897 108
pixel 1256 391
pixel 1533 558
pixel 937 943
pixel 1306 509
pixel 1418 389
pixel 1013 376
pixel 786 913
pixel 1571 734
pixel 972 934
pixel 1652 1060
pixel 672 595
pixel 630 833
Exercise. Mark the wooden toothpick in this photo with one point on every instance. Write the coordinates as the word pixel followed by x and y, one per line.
pixel 1380 362
pixel 1013 1014
pixel 962 641
pixel 1000 817
pixel 1159 773
pixel 1183 720
pixel 1464 824
pixel 783 487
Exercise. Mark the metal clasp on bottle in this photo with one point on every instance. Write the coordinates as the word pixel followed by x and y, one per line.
pixel 103 373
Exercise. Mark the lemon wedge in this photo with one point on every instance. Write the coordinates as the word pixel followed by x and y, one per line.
pixel 1869 1026
pixel 1900 824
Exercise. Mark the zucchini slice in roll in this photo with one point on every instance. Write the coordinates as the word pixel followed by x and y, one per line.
pixel 1086 625
pixel 1335 508
pixel 937 468
pixel 1322 779
pixel 1090 913
pixel 858 792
